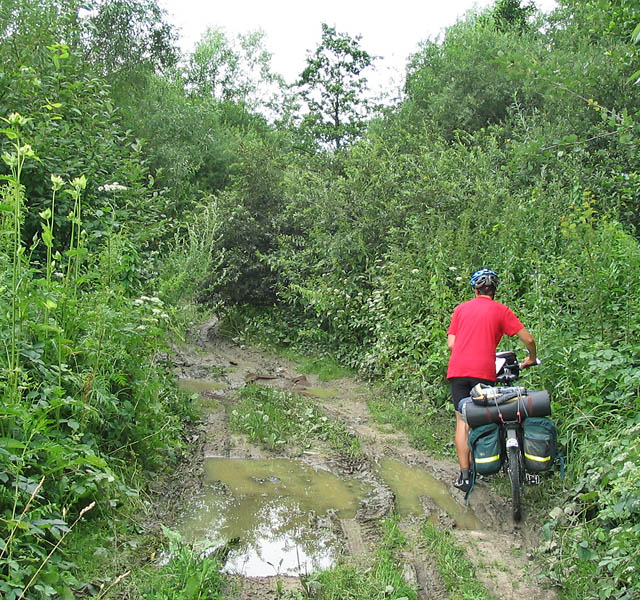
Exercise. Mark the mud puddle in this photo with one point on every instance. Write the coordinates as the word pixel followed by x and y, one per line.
pixel 281 515
pixel 411 484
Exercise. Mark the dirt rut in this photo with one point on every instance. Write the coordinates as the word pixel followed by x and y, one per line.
pixel 499 551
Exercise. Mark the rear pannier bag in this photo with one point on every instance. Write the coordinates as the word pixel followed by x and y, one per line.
pixel 539 443
pixel 484 443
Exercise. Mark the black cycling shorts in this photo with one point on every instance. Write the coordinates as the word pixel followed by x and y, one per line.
pixel 461 387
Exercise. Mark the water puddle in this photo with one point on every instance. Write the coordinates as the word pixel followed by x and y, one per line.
pixel 276 510
pixel 409 483
pixel 197 386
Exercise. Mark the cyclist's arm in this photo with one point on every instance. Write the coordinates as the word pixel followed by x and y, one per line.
pixel 527 339
pixel 451 340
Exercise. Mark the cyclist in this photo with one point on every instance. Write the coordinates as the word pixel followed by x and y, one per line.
pixel 476 328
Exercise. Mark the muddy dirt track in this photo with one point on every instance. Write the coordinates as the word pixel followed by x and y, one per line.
pixel 499 551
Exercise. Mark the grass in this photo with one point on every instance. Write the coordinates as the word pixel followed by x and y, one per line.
pixel 142 567
pixel 187 574
pixel 276 418
pixel 428 428
pixel 382 578
pixel 325 367
pixel 457 572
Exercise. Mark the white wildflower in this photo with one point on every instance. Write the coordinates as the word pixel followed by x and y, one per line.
pixel 112 187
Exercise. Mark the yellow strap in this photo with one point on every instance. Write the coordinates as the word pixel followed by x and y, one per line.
pixel 488 459
pixel 537 458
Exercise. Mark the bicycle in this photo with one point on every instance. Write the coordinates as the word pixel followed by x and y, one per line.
pixel 496 415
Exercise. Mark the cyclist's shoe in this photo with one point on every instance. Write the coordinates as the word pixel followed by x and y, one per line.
pixel 462 484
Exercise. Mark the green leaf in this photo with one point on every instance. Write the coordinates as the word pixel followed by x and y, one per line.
pixel 635 36
pixel 10 133
pixel 588 497
pixel 66 594
pixel 635 78
pixel 585 553
pixel 192 586
pixel 11 443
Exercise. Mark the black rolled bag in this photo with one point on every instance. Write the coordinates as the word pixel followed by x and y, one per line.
pixel 531 404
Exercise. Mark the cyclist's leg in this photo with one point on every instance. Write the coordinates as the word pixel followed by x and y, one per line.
pixel 462 447
pixel 460 388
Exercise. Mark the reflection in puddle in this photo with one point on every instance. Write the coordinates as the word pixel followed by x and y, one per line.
pixel 196 386
pixel 277 509
pixel 409 483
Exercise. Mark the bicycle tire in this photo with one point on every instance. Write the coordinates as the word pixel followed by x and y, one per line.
pixel 515 469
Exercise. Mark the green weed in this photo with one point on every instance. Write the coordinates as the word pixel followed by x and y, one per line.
pixel 186 572
pixel 276 418
pixel 427 426
pixel 457 572
pixel 383 578
pixel 82 398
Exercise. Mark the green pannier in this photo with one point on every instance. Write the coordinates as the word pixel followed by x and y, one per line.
pixel 539 444
pixel 484 443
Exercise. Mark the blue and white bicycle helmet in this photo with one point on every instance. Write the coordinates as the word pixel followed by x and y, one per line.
pixel 484 277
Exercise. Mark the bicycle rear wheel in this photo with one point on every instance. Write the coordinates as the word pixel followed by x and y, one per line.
pixel 515 468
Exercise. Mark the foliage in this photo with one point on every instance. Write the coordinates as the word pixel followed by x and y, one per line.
pixel 126 35
pixel 512 14
pixel 381 579
pixel 457 572
pixel 236 71
pixel 80 390
pixel 72 128
pixel 249 209
pixel 277 419
pixel 189 574
pixel 598 523
pixel 332 87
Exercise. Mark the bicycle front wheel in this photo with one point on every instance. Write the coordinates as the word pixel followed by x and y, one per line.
pixel 515 469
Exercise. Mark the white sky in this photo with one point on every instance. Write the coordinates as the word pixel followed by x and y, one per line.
pixel 391 29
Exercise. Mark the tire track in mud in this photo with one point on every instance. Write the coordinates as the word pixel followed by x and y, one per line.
pixel 498 550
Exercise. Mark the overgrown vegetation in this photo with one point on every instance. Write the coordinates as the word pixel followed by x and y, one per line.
pixel 457 573
pixel 382 578
pixel 276 418
pixel 136 181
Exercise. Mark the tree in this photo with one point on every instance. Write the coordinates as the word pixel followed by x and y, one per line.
pixel 511 14
pixel 332 87
pixel 234 70
pixel 125 35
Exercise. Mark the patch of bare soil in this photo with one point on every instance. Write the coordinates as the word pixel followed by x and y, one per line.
pixel 499 551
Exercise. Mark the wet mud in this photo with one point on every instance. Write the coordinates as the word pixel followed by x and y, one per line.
pixel 266 502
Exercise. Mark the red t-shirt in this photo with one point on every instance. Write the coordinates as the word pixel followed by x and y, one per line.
pixel 478 325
